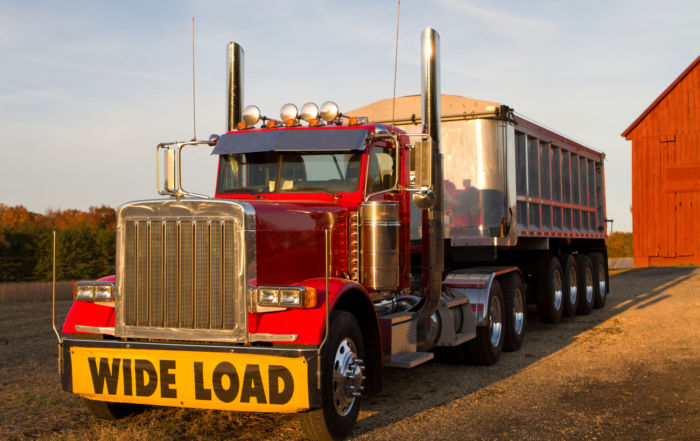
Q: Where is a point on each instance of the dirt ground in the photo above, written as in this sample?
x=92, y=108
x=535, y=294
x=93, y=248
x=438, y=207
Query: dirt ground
x=628, y=371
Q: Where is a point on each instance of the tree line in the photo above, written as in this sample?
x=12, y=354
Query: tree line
x=85, y=243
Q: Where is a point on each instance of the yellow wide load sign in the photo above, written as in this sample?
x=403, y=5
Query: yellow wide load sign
x=209, y=380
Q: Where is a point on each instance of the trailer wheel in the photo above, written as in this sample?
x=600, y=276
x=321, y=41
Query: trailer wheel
x=515, y=316
x=585, y=287
x=342, y=370
x=487, y=346
x=600, y=288
x=570, y=285
x=550, y=293
x=104, y=410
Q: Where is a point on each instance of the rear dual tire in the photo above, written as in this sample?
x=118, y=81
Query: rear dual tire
x=488, y=344
x=586, y=285
x=600, y=287
x=515, y=317
x=550, y=293
x=570, y=285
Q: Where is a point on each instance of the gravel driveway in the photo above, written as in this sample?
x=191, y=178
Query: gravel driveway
x=629, y=371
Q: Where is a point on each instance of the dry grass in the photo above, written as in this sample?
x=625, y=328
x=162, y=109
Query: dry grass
x=33, y=292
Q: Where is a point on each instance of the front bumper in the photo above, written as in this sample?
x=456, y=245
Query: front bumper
x=187, y=375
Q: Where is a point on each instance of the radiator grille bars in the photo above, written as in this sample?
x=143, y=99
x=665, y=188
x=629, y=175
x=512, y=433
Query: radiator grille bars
x=180, y=273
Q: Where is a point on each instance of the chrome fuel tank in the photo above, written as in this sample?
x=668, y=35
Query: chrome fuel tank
x=379, y=244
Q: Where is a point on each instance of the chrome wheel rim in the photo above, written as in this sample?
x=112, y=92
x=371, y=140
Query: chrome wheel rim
x=495, y=321
x=518, y=311
x=601, y=281
x=573, y=286
x=558, y=294
x=589, y=285
x=347, y=376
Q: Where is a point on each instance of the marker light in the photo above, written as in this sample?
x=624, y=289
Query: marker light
x=289, y=114
x=329, y=111
x=251, y=115
x=309, y=111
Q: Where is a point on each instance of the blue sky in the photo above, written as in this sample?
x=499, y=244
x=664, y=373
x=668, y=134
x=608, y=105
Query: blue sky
x=87, y=89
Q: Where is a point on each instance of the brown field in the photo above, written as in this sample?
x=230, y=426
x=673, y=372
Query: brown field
x=628, y=371
x=33, y=292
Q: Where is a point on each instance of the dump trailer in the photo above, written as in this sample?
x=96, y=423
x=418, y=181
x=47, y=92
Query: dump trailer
x=337, y=245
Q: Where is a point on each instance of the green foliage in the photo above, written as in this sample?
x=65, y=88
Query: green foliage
x=85, y=244
x=620, y=245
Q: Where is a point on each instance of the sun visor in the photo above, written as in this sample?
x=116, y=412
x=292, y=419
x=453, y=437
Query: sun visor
x=291, y=140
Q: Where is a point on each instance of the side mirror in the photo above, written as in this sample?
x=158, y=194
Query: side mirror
x=169, y=159
x=421, y=164
x=421, y=175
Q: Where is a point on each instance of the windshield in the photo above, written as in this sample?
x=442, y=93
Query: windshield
x=282, y=172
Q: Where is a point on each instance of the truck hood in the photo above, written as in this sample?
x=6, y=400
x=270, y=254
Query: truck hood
x=291, y=243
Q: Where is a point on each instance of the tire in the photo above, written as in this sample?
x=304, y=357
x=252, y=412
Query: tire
x=486, y=347
x=600, y=286
x=570, y=273
x=104, y=410
x=515, y=317
x=550, y=294
x=585, y=285
x=342, y=370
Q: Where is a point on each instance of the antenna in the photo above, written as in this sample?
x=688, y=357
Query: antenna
x=396, y=58
x=194, y=101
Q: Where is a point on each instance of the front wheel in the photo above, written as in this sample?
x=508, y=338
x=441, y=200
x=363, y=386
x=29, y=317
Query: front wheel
x=342, y=370
x=104, y=410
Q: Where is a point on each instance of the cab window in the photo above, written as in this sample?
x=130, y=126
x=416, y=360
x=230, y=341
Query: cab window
x=381, y=174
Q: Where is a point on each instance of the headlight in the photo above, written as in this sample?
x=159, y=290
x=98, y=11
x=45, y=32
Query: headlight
x=286, y=296
x=97, y=291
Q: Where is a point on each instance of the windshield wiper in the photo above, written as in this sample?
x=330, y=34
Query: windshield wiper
x=335, y=195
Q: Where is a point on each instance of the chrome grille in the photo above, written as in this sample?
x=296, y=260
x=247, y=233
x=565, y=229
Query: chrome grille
x=182, y=270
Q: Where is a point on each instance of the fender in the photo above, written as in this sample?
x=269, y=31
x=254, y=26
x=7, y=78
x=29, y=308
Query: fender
x=87, y=313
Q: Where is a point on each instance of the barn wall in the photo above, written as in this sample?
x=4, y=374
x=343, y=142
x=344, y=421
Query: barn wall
x=666, y=178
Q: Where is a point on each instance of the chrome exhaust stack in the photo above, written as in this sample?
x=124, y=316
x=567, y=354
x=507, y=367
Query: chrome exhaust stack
x=234, y=85
x=432, y=239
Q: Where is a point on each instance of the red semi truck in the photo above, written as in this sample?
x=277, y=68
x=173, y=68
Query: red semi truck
x=334, y=246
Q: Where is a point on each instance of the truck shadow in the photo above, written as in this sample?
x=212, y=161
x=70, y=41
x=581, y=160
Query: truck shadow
x=424, y=386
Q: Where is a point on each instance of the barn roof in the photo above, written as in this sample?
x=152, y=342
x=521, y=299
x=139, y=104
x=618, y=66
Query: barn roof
x=661, y=97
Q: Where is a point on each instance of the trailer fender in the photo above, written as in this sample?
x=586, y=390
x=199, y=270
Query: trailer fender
x=475, y=283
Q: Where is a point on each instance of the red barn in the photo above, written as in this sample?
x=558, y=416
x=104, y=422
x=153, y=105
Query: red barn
x=666, y=175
